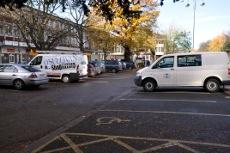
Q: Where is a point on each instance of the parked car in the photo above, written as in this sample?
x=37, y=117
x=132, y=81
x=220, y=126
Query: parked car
x=123, y=65
x=96, y=65
x=91, y=70
x=130, y=65
x=112, y=66
x=21, y=75
x=102, y=65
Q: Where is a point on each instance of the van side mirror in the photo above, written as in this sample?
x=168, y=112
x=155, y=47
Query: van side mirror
x=154, y=66
x=158, y=65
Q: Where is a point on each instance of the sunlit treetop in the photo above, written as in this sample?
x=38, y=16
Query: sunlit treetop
x=105, y=8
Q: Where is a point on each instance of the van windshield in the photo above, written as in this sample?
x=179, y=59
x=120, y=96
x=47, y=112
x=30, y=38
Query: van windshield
x=36, y=61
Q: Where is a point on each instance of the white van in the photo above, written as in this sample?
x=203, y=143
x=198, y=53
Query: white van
x=205, y=69
x=65, y=67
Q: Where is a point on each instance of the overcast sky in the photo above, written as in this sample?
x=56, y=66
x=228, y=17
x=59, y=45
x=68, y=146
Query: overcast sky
x=210, y=20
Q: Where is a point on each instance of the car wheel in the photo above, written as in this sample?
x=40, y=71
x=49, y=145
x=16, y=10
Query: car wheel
x=66, y=79
x=114, y=70
x=212, y=85
x=19, y=84
x=149, y=85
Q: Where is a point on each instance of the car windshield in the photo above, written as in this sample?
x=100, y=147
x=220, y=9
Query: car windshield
x=30, y=68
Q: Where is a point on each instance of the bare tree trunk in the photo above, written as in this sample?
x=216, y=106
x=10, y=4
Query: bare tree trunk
x=127, y=53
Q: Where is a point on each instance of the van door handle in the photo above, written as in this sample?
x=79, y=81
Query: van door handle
x=14, y=75
x=172, y=69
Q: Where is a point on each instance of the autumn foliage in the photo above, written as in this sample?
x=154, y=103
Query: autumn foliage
x=217, y=43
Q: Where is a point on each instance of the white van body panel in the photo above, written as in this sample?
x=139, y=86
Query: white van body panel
x=58, y=65
x=164, y=77
x=186, y=69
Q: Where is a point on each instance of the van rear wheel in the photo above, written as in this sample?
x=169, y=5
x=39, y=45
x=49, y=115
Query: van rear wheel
x=149, y=85
x=212, y=85
x=66, y=79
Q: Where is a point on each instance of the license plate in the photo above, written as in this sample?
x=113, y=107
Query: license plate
x=42, y=75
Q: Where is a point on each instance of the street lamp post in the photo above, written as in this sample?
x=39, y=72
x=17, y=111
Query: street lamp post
x=194, y=18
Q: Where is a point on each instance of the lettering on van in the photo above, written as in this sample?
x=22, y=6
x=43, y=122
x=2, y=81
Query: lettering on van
x=59, y=63
x=167, y=75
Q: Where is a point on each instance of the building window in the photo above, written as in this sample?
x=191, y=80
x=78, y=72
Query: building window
x=1, y=29
x=6, y=29
x=10, y=30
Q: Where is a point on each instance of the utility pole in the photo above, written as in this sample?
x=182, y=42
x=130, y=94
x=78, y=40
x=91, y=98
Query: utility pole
x=194, y=18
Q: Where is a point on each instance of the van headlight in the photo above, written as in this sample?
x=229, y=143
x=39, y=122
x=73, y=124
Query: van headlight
x=138, y=74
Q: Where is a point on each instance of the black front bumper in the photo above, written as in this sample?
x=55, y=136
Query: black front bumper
x=138, y=80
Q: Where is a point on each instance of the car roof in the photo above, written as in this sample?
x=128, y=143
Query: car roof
x=15, y=64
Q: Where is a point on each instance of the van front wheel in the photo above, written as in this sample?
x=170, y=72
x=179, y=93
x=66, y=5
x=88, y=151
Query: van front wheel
x=212, y=85
x=149, y=85
x=66, y=79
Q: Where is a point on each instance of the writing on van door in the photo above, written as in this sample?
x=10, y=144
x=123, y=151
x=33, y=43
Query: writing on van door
x=59, y=63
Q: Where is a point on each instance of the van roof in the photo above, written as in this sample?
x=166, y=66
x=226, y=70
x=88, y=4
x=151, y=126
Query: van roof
x=57, y=54
x=195, y=53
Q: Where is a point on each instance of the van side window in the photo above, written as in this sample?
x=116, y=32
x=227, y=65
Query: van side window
x=189, y=60
x=166, y=62
x=37, y=61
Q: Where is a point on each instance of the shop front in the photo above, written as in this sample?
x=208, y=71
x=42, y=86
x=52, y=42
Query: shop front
x=14, y=55
x=14, y=52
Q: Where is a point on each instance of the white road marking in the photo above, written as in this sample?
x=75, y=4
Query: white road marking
x=100, y=81
x=165, y=112
x=176, y=100
x=173, y=92
x=109, y=120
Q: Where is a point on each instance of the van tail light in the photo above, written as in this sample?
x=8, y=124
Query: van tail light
x=33, y=75
x=228, y=71
x=77, y=68
x=91, y=69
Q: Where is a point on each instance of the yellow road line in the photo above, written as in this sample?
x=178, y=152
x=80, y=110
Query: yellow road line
x=118, y=139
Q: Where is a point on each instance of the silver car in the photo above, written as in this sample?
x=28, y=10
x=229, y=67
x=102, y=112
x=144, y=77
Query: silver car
x=21, y=76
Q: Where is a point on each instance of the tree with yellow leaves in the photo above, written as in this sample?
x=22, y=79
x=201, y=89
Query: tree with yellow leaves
x=133, y=33
x=217, y=43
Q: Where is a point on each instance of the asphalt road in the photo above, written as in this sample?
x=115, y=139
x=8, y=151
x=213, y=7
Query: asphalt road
x=167, y=121
x=28, y=115
x=114, y=116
